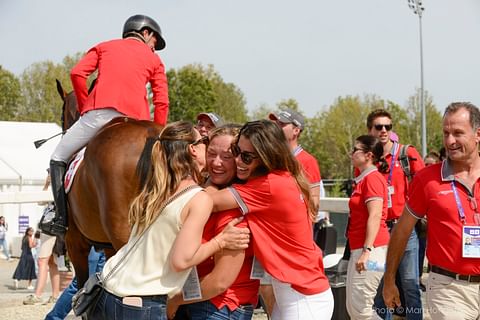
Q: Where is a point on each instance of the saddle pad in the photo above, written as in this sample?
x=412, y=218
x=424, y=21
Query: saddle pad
x=72, y=169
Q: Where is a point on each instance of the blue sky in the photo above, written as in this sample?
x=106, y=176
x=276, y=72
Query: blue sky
x=312, y=51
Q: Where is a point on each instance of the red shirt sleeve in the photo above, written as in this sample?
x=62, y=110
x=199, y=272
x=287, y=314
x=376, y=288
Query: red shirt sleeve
x=416, y=200
x=417, y=164
x=79, y=74
x=374, y=187
x=159, y=87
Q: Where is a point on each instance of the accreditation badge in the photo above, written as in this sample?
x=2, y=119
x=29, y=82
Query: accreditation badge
x=471, y=241
x=191, y=289
x=391, y=190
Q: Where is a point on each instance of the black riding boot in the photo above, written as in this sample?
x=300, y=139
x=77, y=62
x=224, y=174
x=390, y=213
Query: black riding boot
x=58, y=226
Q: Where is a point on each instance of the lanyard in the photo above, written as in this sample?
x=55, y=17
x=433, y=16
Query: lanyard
x=461, y=212
x=297, y=150
x=389, y=180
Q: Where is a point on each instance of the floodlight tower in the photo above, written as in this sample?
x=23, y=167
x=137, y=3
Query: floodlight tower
x=417, y=7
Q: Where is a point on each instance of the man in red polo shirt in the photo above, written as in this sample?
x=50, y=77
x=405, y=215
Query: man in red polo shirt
x=292, y=124
x=447, y=195
x=125, y=66
x=379, y=124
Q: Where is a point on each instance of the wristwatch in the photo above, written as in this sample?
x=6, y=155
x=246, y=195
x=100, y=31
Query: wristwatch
x=366, y=248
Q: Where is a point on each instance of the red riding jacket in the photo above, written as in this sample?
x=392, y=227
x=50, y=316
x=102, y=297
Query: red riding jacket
x=125, y=66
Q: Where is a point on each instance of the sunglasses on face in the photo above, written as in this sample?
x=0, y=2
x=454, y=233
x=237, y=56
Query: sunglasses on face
x=202, y=140
x=247, y=157
x=379, y=127
x=355, y=149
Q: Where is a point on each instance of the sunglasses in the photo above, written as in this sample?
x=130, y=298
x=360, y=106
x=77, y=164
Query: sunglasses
x=202, y=140
x=355, y=149
x=379, y=127
x=247, y=157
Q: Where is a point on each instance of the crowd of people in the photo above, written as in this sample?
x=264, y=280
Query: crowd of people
x=227, y=211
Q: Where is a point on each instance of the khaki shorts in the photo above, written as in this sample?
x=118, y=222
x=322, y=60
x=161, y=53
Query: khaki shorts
x=46, y=247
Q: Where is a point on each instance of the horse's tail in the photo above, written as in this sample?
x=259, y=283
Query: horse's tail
x=144, y=164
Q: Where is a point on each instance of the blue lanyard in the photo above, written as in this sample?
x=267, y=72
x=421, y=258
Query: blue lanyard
x=297, y=150
x=389, y=180
x=461, y=212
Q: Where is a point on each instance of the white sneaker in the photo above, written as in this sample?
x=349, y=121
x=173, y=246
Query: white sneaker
x=15, y=284
x=30, y=287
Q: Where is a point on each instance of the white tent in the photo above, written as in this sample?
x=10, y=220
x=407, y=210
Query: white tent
x=23, y=168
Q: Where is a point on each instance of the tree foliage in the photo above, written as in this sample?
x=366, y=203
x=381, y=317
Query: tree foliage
x=193, y=89
x=42, y=101
x=10, y=95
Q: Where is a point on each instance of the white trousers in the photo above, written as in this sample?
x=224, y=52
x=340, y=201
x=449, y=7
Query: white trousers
x=291, y=304
x=78, y=135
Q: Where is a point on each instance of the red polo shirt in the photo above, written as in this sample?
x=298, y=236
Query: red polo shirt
x=243, y=290
x=369, y=185
x=398, y=179
x=431, y=195
x=282, y=231
x=125, y=66
x=309, y=165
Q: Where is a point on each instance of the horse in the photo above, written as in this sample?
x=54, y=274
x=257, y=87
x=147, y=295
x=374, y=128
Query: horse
x=105, y=184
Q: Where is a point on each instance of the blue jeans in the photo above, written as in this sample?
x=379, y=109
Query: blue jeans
x=206, y=310
x=111, y=307
x=63, y=306
x=408, y=283
x=4, y=244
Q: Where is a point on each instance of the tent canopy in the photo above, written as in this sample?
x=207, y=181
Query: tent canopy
x=20, y=161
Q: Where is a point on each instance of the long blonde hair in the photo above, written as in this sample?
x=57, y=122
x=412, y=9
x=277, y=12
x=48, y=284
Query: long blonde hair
x=171, y=162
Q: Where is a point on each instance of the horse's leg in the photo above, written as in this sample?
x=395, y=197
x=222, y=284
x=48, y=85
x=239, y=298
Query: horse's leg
x=78, y=249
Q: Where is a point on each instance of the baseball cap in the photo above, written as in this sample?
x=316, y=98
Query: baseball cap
x=288, y=116
x=215, y=118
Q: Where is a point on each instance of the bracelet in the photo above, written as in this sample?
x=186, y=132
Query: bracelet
x=218, y=242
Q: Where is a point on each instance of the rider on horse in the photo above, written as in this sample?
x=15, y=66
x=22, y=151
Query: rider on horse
x=125, y=66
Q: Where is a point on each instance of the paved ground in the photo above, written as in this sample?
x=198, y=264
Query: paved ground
x=11, y=300
x=11, y=306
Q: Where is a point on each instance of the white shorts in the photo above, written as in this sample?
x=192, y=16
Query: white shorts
x=46, y=247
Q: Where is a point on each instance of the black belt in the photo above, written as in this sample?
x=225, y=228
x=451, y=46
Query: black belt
x=390, y=223
x=468, y=278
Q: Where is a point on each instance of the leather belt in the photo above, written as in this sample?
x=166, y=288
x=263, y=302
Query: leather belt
x=390, y=223
x=456, y=276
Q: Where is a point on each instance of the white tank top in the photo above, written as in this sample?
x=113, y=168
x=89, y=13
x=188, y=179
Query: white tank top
x=146, y=270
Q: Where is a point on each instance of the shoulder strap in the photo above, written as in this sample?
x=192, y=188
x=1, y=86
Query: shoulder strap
x=404, y=161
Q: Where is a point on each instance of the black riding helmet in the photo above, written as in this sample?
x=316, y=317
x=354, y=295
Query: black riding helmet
x=138, y=22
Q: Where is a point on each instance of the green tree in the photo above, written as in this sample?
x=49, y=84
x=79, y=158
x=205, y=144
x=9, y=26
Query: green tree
x=261, y=112
x=193, y=89
x=10, y=95
x=434, y=122
x=42, y=101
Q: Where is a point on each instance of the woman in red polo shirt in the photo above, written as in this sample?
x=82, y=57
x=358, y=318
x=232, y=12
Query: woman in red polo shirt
x=279, y=210
x=367, y=231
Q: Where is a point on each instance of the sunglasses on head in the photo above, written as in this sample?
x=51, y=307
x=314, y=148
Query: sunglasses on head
x=387, y=127
x=247, y=157
x=203, y=140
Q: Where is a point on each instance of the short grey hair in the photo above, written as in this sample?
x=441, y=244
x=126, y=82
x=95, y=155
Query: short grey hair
x=470, y=107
